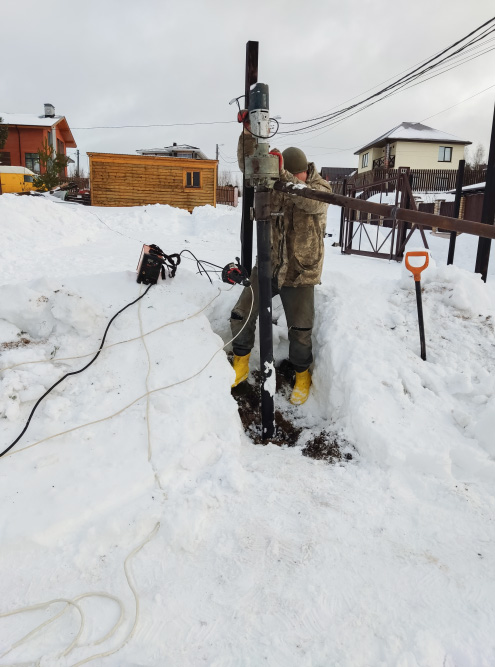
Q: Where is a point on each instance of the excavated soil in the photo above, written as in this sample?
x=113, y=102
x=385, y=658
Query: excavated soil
x=323, y=445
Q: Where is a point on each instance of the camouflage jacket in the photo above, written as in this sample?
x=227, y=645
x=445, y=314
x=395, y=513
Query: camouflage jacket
x=296, y=236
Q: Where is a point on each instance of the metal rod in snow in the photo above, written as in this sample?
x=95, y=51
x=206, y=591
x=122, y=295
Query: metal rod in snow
x=263, y=229
x=251, y=77
x=420, y=319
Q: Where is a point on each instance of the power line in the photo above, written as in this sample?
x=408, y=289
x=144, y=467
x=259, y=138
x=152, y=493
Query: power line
x=404, y=78
x=474, y=47
x=376, y=85
x=457, y=103
x=339, y=118
x=334, y=119
x=403, y=82
x=119, y=127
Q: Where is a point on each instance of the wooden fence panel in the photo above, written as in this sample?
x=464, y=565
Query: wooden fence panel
x=227, y=194
x=473, y=206
x=447, y=208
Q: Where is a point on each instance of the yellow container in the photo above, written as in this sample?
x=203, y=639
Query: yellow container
x=16, y=179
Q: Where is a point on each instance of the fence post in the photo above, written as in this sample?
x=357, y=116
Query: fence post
x=488, y=210
x=457, y=207
x=342, y=214
x=404, y=203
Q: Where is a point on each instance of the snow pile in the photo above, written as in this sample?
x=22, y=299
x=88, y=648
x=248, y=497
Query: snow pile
x=136, y=496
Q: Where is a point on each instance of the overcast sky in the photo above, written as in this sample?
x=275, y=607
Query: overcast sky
x=122, y=62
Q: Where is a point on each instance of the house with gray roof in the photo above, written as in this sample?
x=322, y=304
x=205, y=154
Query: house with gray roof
x=412, y=145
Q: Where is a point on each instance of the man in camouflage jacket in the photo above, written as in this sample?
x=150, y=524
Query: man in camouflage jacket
x=297, y=252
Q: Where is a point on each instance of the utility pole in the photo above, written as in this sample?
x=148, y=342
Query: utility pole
x=251, y=78
x=488, y=210
x=77, y=163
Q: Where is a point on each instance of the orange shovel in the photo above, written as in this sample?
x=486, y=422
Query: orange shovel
x=416, y=271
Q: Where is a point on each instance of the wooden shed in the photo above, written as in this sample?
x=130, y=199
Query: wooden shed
x=135, y=180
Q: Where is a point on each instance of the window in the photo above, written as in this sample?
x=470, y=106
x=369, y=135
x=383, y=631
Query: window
x=193, y=179
x=364, y=161
x=32, y=162
x=60, y=147
x=28, y=179
x=184, y=154
x=5, y=158
x=445, y=154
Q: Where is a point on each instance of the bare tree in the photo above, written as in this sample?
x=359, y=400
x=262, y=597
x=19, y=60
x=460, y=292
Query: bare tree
x=4, y=133
x=229, y=178
x=72, y=172
x=477, y=158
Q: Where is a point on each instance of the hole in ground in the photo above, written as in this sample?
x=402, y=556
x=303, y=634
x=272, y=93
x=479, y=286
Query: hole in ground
x=324, y=445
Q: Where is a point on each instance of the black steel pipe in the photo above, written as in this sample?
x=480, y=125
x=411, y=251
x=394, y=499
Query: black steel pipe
x=342, y=217
x=267, y=368
x=407, y=215
x=251, y=76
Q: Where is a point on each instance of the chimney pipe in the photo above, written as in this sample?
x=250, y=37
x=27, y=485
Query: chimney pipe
x=49, y=110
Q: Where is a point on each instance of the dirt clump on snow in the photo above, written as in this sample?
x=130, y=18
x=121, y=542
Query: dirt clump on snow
x=12, y=345
x=323, y=445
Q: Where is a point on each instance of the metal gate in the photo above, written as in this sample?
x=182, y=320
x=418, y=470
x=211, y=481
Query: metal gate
x=377, y=236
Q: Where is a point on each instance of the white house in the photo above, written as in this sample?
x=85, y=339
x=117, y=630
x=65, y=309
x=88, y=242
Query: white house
x=412, y=145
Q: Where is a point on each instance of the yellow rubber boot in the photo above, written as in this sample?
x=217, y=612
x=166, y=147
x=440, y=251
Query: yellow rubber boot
x=241, y=367
x=300, y=392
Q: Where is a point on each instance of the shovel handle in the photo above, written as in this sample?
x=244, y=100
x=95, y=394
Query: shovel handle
x=416, y=270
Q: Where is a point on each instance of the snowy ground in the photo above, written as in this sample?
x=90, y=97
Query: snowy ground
x=167, y=538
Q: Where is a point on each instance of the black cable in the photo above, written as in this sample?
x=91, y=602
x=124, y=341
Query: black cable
x=259, y=136
x=365, y=91
x=404, y=86
x=73, y=372
x=120, y=127
x=409, y=74
x=200, y=264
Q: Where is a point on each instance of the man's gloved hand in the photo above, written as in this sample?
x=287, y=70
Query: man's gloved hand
x=276, y=152
x=243, y=116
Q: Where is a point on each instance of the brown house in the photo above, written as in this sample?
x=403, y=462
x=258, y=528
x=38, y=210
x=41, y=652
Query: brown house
x=27, y=133
x=135, y=180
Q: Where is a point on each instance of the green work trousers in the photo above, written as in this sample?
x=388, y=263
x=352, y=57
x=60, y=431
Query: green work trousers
x=298, y=303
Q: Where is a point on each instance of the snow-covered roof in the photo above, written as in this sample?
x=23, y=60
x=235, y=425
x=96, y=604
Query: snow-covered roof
x=16, y=170
x=474, y=186
x=31, y=119
x=339, y=172
x=170, y=150
x=413, y=132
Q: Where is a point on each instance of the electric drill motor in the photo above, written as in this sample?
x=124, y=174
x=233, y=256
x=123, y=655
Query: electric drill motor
x=261, y=168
